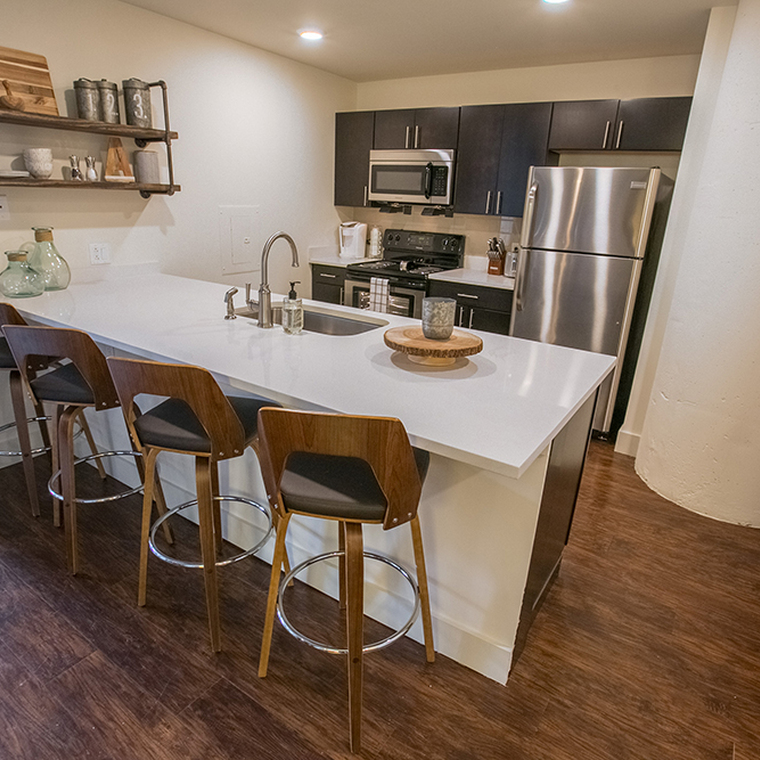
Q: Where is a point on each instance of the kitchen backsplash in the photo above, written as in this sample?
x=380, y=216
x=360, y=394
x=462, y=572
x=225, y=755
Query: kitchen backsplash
x=477, y=229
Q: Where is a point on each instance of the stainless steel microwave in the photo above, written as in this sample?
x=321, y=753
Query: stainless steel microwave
x=411, y=176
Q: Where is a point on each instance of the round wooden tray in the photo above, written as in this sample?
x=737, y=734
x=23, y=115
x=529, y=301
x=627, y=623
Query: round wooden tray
x=411, y=341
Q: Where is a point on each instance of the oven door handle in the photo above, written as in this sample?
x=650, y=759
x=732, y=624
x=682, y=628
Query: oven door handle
x=428, y=180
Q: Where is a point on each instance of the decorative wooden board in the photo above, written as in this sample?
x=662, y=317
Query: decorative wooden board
x=411, y=341
x=29, y=78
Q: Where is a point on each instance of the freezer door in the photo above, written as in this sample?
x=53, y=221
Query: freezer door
x=592, y=210
x=572, y=299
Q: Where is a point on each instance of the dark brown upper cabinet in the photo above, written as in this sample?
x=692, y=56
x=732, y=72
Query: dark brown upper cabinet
x=640, y=124
x=497, y=146
x=353, y=141
x=429, y=128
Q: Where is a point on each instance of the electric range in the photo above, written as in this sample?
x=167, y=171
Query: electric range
x=409, y=258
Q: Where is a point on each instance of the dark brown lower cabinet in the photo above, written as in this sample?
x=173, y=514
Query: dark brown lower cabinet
x=327, y=283
x=478, y=307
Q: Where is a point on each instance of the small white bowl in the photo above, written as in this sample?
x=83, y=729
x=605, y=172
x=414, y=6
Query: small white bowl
x=39, y=162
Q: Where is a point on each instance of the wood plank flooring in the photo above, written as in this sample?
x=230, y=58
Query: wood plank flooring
x=648, y=647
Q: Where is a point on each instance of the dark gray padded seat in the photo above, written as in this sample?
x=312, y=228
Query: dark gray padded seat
x=64, y=385
x=6, y=357
x=341, y=487
x=173, y=424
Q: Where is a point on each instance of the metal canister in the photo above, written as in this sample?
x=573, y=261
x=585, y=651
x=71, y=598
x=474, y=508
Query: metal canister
x=88, y=99
x=109, y=102
x=137, y=103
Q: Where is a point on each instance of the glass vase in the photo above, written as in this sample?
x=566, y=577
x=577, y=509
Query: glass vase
x=46, y=260
x=19, y=279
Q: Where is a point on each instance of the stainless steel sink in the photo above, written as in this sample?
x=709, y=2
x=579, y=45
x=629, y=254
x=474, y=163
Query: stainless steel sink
x=320, y=320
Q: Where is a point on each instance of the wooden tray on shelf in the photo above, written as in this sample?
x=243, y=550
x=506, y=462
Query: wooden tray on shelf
x=412, y=342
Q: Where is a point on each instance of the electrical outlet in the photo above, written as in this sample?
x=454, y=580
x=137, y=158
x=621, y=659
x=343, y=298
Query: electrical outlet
x=100, y=253
x=5, y=214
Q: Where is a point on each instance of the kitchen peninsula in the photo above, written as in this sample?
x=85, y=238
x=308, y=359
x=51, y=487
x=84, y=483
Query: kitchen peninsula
x=507, y=430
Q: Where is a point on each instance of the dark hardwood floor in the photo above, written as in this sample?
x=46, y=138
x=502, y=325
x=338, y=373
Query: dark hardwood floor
x=647, y=648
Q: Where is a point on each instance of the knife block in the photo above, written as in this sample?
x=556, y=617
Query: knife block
x=495, y=263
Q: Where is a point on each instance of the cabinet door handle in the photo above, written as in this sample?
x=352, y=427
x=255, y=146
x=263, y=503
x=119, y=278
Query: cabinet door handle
x=467, y=295
x=471, y=313
x=342, y=297
x=406, y=137
x=330, y=276
x=461, y=314
x=619, y=135
x=498, y=203
x=416, y=136
x=366, y=193
x=488, y=202
x=606, y=134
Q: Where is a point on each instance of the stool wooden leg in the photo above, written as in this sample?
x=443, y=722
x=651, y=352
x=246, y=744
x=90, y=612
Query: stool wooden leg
x=39, y=412
x=355, y=629
x=68, y=484
x=22, y=428
x=274, y=584
x=149, y=480
x=419, y=558
x=91, y=443
x=55, y=418
x=217, y=507
x=203, y=479
x=342, y=566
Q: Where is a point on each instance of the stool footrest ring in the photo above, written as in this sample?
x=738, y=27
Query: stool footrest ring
x=34, y=452
x=222, y=562
x=102, y=499
x=322, y=647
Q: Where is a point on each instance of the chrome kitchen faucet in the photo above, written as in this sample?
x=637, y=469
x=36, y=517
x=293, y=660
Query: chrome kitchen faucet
x=265, y=294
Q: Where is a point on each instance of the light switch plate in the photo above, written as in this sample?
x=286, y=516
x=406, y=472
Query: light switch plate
x=5, y=213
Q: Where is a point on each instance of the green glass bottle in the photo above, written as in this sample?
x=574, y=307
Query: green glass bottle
x=46, y=259
x=19, y=279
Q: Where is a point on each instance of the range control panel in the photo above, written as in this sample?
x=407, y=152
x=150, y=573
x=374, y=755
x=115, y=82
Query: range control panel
x=423, y=242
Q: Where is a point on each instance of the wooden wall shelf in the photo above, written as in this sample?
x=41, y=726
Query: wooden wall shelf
x=60, y=183
x=141, y=137
x=81, y=125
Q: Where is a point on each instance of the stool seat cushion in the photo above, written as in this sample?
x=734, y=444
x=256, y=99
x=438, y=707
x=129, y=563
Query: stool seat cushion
x=344, y=488
x=64, y=385
x=6, y=357
x=173, y=424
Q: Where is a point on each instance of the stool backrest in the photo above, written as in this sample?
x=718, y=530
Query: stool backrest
x=380, y=441
x=9, y=315
x=193, y=385
x=31, y=346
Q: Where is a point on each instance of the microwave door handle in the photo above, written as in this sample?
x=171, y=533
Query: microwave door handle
x=428, y=181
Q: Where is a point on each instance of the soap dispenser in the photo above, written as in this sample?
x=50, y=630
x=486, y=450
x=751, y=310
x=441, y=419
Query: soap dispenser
x=292, y=311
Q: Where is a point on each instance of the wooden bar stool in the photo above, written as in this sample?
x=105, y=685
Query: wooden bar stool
x=353, y=470
x=196, y=419
x=9, y=316
x=83, y=382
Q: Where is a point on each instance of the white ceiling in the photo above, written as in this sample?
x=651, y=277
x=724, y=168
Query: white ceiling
x=368, y=40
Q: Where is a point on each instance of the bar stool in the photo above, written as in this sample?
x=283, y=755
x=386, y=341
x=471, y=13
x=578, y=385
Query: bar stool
x=82, y=383
x=196, y=419
x=353, y=470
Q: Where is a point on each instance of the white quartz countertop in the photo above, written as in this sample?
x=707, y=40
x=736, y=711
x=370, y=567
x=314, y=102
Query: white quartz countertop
x=475, y=277
x=497, y=410
x=335, y=261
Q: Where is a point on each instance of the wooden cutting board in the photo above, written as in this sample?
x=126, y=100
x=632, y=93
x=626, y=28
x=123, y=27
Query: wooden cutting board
x=29, y=78
x=412, y=342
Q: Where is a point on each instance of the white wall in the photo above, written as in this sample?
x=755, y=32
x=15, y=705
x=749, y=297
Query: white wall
x=254, y=129
x=700, y=444
x=636, y=78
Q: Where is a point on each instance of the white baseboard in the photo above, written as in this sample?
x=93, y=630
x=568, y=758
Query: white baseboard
x=627, y=443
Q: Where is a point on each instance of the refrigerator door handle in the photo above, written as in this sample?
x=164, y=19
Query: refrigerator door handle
x=522, y=265
x=530, y=206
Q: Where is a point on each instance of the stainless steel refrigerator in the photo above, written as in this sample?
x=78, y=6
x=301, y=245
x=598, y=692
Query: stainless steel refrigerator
x=589, y=249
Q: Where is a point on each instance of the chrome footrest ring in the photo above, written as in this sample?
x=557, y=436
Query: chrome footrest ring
x=101, y=500
x=322, y=647
x=34, y=452
x=222, y=562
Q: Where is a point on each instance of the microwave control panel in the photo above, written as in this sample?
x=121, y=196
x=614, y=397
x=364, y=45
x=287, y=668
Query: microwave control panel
x=439, y=183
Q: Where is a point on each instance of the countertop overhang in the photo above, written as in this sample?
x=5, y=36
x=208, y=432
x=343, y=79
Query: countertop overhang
x=497, y=410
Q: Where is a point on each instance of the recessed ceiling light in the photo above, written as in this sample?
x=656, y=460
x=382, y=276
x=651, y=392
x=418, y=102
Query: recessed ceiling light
x=555, y=2
x=313, y=34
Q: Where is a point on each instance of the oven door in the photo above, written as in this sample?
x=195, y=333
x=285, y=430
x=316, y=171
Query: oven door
x=404, y=302
x=411, y=176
